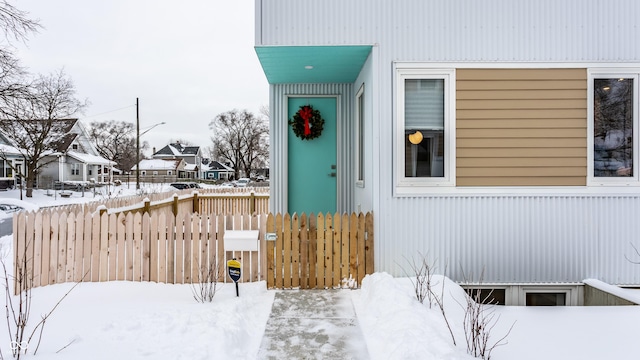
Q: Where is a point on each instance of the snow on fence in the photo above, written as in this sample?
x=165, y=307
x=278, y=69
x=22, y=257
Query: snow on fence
x=161, y=247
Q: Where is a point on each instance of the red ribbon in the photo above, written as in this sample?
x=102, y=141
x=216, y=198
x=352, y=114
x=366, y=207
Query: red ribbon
x=305, y=114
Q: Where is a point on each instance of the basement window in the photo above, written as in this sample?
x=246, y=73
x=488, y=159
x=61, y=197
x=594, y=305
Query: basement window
x=546, y=299
x=488, y=296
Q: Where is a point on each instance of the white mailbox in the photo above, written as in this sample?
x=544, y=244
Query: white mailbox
x=241, y=240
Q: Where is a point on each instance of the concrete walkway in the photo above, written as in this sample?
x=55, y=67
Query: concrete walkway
x=313, y=324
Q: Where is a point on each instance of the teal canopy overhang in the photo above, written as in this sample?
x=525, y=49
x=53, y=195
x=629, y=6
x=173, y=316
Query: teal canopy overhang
x=312, y=64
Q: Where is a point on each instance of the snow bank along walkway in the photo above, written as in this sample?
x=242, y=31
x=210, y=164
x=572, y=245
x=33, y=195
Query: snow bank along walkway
x=313, y=324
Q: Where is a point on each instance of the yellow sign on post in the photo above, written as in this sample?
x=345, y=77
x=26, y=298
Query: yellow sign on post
x=235, y=271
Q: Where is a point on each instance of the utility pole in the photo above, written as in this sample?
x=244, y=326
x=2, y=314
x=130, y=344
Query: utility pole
x=137, y=146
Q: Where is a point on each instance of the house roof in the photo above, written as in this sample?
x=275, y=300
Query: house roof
x=90, y=159
x=217, y=166
x=158, y=164
x=177, y=149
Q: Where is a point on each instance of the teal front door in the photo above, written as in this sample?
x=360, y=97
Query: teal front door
x=312, y=163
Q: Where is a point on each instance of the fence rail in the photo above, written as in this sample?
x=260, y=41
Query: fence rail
x=315, y=252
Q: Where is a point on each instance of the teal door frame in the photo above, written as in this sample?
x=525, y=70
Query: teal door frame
x=324, y=169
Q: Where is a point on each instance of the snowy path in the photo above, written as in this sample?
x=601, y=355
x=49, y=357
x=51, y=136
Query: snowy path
x=313, y=324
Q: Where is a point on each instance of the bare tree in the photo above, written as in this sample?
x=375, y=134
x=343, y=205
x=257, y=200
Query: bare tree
x=38, y=122
x=241, y=138
x=116, y=141
x=15, y=25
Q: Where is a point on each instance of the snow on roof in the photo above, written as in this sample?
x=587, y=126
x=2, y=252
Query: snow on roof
x=157, y=164
x=191, y=167
x=9, y=150
x=90, y=159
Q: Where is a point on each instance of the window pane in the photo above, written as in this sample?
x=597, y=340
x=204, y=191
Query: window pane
x=424, y=128
x=546, y=299
x=613, y=128
x=488, y=296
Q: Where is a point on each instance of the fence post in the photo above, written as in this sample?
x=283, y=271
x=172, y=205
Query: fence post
x=196, y=203
x=174, y=207
x=147, y=206
x=252, y=203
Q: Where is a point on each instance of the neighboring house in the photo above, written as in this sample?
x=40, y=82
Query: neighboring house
x=11, y=159
x=215, y=170
x=74, y=158
x=192, y=155
x=496, y=138
x=156, y=170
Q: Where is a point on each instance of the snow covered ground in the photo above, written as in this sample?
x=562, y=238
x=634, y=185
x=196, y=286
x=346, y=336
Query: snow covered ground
x=125, y=320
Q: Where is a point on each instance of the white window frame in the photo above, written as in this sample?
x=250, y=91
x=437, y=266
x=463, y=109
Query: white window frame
x=75, y=169
x=359, y=161
x=424, y=185
x=603, y=74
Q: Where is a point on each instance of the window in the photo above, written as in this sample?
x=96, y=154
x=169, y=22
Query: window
x=425, y=149
x=74, y=146
x=90, y=171
x=488, y=295
x=613, y=127
x=155, y=172
x=546, y=299
x=75, y=169
x=169, y=172
x=143, y=172
x=360, y=136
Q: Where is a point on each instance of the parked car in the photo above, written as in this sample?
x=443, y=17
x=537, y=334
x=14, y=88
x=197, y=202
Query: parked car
x=243, y=182
x=180, y=185
x=260, y=178
x=10, y=206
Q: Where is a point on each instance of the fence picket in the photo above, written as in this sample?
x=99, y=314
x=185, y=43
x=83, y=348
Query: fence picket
x=112, y=252
x=304, y=252
x=320, y=252
x=79, y=248
x=162, y=248
x=171, y=250
x=286, y=260
x=120, y=246
x=369, y=241
x=179, y=250
x=188, y=243
x=154, y=235
x=129, y=230
x=145, y=246
x=337, y=250
x=45, y=234
x=62, y=249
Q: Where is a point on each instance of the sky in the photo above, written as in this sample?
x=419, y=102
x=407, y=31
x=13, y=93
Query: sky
x=185, y=61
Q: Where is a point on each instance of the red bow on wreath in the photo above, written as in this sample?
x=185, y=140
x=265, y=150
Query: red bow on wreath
x=305, y=114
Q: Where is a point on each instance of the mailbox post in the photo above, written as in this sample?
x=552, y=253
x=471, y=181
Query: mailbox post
x=235, y=271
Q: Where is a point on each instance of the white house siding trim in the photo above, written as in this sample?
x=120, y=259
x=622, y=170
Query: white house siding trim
x=278, y=133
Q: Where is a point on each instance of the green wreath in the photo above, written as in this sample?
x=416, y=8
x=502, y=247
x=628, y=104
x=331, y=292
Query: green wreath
x=307, y=123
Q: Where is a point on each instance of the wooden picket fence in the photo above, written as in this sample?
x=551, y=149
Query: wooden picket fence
x=316, y=253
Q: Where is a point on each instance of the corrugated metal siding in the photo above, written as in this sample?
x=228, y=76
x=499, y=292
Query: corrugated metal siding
x=461, y=30
x=521, y=127
x=278, y=135
x=515, y=239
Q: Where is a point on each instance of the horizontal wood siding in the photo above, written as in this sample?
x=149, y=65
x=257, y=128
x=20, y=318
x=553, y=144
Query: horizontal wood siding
x=521, y=127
